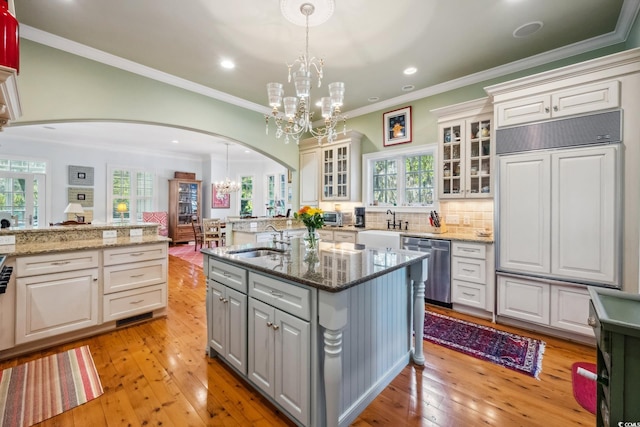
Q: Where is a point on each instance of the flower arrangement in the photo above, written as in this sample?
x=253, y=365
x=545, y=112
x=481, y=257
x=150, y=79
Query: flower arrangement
x=313, y=219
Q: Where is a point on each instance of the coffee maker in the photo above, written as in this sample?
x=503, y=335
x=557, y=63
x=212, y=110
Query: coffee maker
x=359, y=217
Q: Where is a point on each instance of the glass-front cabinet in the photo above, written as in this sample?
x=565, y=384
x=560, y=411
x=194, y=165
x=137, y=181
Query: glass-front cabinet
x=335, y=172
x=465, y=150
x=184, y=205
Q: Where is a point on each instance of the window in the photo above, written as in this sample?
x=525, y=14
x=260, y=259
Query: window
x=246, y=196
x=22, y=190
x=134, y=188
x=276, y=193
x=404, y=177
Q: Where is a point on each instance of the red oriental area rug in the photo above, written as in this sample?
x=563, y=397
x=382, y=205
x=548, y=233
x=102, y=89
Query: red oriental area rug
x=512, y=351
x=48, y=386
x=187, y=253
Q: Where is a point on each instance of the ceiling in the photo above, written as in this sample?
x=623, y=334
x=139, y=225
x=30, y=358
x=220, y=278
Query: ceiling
x=366, y=44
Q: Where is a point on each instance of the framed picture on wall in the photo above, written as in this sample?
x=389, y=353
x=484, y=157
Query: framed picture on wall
x=397, y=126
x=223, y=202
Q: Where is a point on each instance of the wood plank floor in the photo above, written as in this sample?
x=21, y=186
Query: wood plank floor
x=157, y=373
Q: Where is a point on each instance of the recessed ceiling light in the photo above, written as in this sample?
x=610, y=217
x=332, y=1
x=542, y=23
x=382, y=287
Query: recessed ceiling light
x=408, y=88
x=525, y=30
x=247, y=151
x=373, y=98
x=228, y=64
x=410, y=70
x=175, y=141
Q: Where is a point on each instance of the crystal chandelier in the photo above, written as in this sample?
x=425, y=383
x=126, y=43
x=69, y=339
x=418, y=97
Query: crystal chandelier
x=297, y=117
x=227, y=186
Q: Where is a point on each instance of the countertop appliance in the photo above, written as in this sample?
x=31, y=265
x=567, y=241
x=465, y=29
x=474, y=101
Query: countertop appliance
x=359, y=217
x=438, y=285
x=332, y=218
x=558, y=210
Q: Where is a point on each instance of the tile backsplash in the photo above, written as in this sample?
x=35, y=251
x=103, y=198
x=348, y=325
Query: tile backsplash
x=479, y=214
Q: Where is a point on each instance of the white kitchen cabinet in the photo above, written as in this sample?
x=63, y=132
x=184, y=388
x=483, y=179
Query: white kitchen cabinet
x=472, y=275
x=336, y=174
x=310, y=175
x=563, y=307
x=328, y=235
x=227, y=313
x=135, y=280
x=551, y=222
x=465, y=147
x=576, y=100
x=279, y=341
x=50, y=304
x=9, y=96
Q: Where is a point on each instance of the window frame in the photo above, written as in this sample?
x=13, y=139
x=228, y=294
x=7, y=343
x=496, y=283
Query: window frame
x=133, y=197
x=399, y=155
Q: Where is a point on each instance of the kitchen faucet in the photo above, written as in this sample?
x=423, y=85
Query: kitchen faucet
x=281, y=241
x=393, y=224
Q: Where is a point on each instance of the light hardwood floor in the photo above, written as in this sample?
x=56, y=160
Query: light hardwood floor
x=157, y=373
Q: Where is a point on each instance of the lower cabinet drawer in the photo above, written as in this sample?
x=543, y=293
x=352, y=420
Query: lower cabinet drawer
x=469, y=269
x=135, y=275
x=468, y=293
x=344, y=236
x=289, y=298
x=129, y=303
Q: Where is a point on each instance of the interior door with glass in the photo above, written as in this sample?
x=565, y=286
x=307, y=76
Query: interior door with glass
x=23, y=198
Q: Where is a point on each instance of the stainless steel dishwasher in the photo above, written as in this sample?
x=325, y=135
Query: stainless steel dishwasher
x=438, y=284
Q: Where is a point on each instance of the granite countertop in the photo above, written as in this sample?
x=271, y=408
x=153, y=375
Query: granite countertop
x=38, y=248
x=466, y=237
x=337, y=266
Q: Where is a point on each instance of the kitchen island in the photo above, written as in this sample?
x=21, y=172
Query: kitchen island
x=318, y=334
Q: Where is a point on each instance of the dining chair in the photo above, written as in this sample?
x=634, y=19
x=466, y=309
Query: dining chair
x=197, y=233
x=211, y=228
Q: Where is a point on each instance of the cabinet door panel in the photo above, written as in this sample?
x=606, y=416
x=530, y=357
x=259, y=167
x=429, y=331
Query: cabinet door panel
x=570, y=309
x=523, y=299
x=134, y=275
x=586, y=98
x=469, y=269
x=293, y=361
x=261, y=367
x=55, y=304
x=236, y=353
x=218, y=325
x=583, y=234
x=525, y=213
x=309, y=173
x=523, y=110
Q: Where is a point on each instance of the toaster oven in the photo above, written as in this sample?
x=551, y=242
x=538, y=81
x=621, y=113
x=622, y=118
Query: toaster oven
x=333, y=218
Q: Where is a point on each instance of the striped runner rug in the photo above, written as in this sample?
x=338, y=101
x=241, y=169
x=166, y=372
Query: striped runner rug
x=48, y=386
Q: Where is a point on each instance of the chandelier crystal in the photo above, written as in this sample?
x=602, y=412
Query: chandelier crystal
x=297, y=117
x=227, y=186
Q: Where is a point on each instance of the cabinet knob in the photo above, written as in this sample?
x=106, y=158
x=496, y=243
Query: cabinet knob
x=591, y=321
x=270, y=324
x=546, y=109
x=275, y=327
x=555, y=108
x=221, y=298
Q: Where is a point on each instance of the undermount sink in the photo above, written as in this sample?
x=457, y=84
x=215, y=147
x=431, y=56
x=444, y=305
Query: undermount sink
x=255, y=253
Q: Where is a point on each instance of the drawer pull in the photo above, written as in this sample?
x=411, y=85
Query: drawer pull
x=137, y=254
x=226, y=274
x=276, y=294
x=137, y=275
x=468, y=294
x=60, y=262
x=591, y=321
x=137, y=302
x=468, y=270
x=469, y=250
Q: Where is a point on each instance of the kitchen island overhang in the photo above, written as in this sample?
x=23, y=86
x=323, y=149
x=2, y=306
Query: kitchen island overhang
x=365, y=316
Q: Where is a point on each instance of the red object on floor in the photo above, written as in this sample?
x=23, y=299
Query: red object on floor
x=584, y=389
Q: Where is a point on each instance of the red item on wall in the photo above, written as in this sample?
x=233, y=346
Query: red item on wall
x=10, y=40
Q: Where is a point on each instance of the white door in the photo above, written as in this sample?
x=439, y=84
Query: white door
x=236, y=349
x=293, y=365
x=570, y=309
x=24, y=195
x=525, y=213
x=583, y=231
x=523, y=299
x=261, y=346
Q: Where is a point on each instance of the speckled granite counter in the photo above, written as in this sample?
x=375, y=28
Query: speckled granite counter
x=449, y=236
x=317, y=271
x=70, y=238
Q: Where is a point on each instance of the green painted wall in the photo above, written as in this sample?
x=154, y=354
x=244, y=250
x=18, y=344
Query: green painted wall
x=58, y=86
x=634, y=35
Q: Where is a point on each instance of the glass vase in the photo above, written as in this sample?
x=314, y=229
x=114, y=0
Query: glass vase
x=311, y=240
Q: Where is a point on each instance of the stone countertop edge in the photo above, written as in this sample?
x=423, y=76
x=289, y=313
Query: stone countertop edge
x=74, y=245
x=221, y=254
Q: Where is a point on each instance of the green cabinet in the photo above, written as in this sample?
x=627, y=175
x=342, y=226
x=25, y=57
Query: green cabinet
x=615, y=318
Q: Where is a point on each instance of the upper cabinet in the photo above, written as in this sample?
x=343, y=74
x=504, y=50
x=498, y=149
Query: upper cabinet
x=465, y=150
x=331, y=171
x=577, y=100
x=10, y=108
